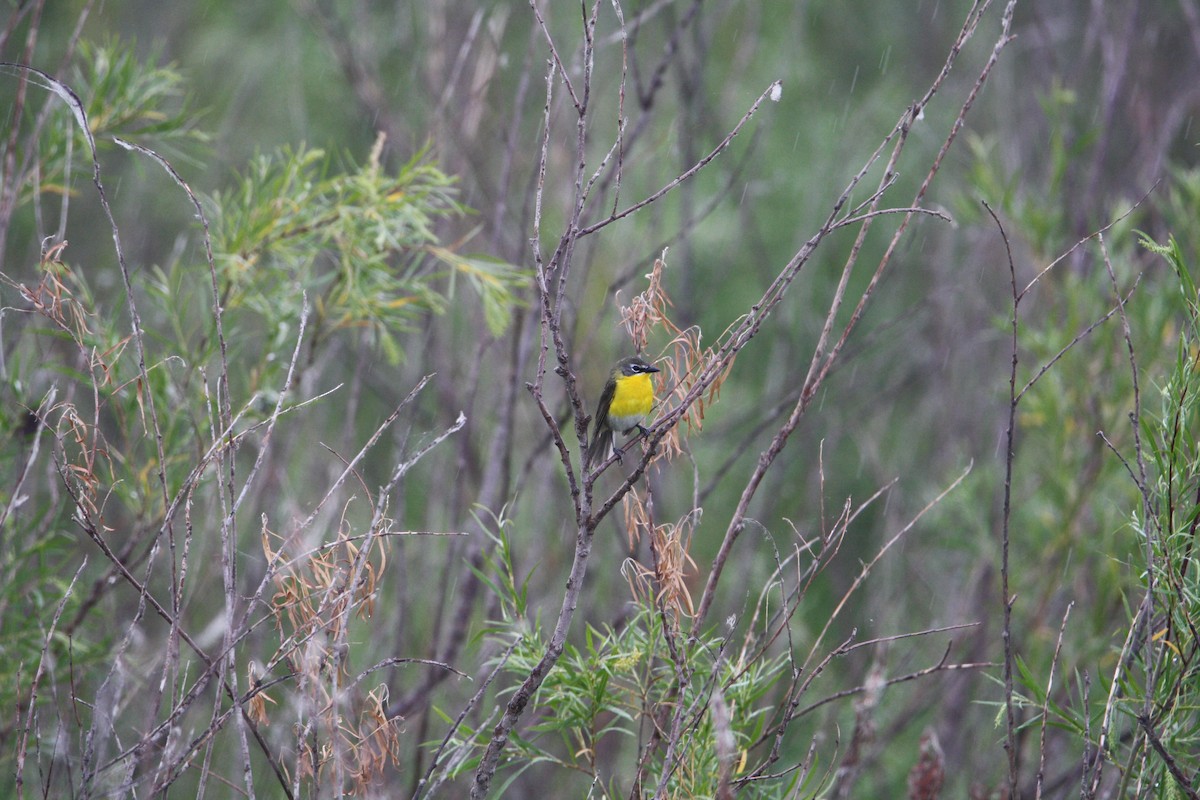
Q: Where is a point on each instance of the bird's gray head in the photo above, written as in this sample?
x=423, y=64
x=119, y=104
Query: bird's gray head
x=635, y=365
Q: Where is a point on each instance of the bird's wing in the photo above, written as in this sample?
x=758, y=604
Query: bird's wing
x=602, y=436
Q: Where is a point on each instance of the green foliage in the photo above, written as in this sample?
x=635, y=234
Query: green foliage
x=133, y=97
x=499, y=573
x=363, y=241
x=609, y=691
x=122, y=95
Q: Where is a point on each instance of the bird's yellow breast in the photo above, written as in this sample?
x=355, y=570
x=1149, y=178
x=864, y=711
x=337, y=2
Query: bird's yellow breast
x=632, y=401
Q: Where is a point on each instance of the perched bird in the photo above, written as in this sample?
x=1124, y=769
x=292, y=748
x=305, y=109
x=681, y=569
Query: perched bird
x=626, y=400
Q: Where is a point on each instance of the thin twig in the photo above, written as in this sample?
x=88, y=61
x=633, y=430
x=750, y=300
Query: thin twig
x=1010, y=738
x=1046, y=702
x=430, y=782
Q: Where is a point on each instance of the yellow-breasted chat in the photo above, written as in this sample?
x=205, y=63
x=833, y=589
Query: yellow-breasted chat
x=626, y=400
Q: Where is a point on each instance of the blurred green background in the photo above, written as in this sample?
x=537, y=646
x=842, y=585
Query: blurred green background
x=1087, y=113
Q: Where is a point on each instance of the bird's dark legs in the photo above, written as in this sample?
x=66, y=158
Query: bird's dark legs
x=643, y=432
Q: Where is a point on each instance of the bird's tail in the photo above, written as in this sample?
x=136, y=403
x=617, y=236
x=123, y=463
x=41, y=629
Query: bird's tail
x=600, y=447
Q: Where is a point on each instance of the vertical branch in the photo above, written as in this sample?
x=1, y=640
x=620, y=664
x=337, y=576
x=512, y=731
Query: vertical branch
x=551, y=282
x=1010, y=720
x=1041, y=773
x=548, y=328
